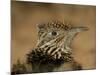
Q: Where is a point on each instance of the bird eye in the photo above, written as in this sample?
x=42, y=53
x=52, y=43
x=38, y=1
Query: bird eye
x=54, y=33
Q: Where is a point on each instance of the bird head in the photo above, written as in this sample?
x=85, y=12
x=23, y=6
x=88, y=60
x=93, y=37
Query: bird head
x=57, y=34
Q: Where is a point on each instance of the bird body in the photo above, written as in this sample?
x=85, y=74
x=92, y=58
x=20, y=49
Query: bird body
x=53, y=51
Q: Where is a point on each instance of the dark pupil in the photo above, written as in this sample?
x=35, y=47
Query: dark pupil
x=54, y=33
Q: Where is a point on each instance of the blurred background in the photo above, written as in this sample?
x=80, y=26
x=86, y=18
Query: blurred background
x=26, y=15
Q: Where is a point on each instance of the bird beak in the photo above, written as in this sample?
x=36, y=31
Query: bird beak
x=79, y=29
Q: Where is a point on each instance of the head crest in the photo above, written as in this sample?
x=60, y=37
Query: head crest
x=55, y=25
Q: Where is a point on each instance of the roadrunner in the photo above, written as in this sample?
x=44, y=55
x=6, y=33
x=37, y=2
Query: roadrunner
x=53, y=51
